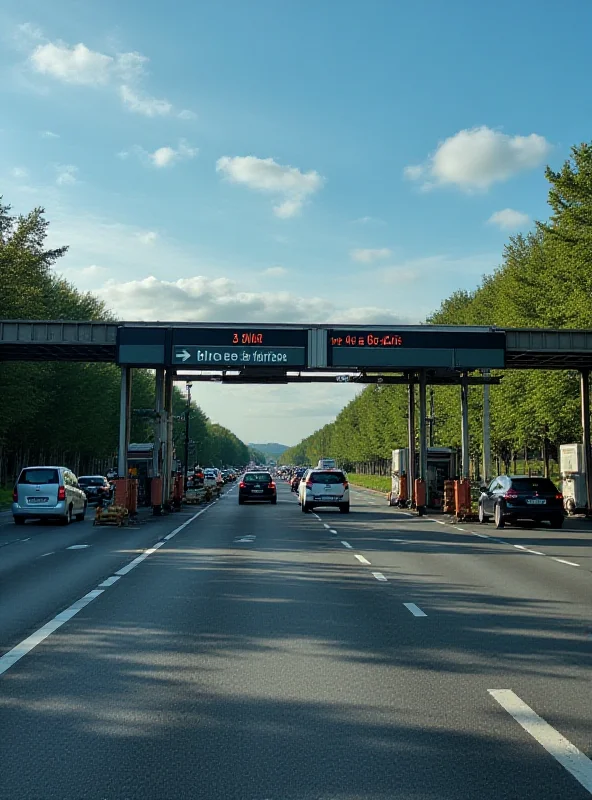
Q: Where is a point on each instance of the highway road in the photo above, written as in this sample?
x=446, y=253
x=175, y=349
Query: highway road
x=258, y=653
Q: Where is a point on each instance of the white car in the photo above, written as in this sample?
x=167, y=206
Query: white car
x=324, y=487
x=213, y=478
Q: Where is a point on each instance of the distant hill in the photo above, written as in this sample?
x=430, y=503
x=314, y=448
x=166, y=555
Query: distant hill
x=270, y=449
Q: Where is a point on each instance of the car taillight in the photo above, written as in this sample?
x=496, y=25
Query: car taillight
x=272, y=485
x=15, y=495
x=511, y=494
x=309, y=484
x=242, y=485
x=62, y=493
x=559, y=496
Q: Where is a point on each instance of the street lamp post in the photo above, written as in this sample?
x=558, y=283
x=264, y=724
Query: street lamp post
x=187, y=415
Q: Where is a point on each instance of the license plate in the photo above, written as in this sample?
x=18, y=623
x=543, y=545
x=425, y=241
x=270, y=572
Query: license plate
x=257, y=491
x=536, y=502
x=38, y=499
x=327, y=497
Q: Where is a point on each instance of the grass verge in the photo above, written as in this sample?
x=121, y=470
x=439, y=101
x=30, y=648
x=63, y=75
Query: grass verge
x=377, y=482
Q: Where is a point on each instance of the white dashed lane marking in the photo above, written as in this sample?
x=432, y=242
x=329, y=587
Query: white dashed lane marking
x=362, y=560
x=347, y=544
x=415, y=610
x=563, y=561
x=379, y=576
x=567, y=754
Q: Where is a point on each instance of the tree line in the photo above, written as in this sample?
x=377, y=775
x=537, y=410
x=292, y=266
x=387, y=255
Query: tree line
x=544, y=280
x=67, y=413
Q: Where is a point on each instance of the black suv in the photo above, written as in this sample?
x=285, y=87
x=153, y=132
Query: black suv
x=510, y=498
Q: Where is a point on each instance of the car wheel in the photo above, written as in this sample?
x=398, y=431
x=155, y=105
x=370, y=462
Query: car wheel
x=274, y=501
x=344, y=508
x=68, y=518
x=499, y=517
x=19, y=520
x=304, y=508
x=483, y=518
x=241, y=501
x=557, y=521
x=80, y=517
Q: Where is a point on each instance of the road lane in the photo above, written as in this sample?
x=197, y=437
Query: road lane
x=254, y=657
x=40, y=573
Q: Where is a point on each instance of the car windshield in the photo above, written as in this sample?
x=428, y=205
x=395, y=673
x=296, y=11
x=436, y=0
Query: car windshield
x=328, y=477
x=257, y=477
x=533, y=485
x=86, y=481
x=39, y=475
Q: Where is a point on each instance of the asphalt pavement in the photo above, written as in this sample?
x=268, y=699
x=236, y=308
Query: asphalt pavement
x=259, y=653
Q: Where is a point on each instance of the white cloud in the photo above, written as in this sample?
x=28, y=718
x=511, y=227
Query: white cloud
x=19, y=172
x=144, y=103
x=66, y=174
x=84, y=277
x=367, y=315
x=508, y=219
x=79, y=65
x=201, y=298
x=187, y=114
x=477, y=158
x=76, y=64
x=147, y=237
x=368, y=255
x=28, y=32
x=266, y=175
x=49, y=135
x=275, y=272
x=368, y=221
x=167, y=156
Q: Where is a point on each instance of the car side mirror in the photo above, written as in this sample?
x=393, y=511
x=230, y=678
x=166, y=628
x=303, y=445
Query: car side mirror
x=484, y=488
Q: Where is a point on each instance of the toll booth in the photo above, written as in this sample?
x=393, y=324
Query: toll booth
x=140, y=462
x=442, y=466
x=573, y=476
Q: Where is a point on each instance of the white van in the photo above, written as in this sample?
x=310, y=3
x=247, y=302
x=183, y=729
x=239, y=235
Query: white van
x=326, y=463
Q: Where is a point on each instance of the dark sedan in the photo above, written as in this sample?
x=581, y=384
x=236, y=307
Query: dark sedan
x=95, y=487
x=257, y=486
x=512, y=498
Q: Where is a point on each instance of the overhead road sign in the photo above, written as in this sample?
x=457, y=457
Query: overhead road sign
x=234, y=347
x=405, y=349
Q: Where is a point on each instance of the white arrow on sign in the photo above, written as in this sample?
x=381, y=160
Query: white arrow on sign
x=183, y=354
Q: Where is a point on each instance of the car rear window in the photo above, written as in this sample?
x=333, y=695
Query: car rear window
x=533, y=485
x=328, y=477
x=39, y=475
x=91, y=481
x=257, y=477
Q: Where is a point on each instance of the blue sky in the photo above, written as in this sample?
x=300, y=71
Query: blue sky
x=303, y=160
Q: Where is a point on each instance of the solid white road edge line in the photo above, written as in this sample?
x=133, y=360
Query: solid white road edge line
x=347, y=544
x=24, y=647
x=379, y=576
x=362, y=560
x=415, y=610
x=554, y=743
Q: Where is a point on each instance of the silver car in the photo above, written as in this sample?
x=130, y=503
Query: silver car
x=48, y=493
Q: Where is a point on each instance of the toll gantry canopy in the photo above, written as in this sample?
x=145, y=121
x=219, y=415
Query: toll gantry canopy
x=292, y=351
